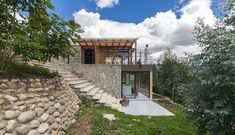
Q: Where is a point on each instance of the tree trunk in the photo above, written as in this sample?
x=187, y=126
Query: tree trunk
x=5, y=58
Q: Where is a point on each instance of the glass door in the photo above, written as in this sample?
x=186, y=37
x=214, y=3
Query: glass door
x=128, y=84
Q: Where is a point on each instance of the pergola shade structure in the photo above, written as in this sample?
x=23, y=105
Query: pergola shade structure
x=95, y=51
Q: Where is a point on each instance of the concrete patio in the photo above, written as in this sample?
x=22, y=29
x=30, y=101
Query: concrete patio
x=143, y=106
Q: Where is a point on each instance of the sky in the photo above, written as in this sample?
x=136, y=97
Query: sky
x=160, y=23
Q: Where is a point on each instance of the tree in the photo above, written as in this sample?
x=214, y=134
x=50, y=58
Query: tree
x=31, y=30
x=171, y=74
x=211, y=102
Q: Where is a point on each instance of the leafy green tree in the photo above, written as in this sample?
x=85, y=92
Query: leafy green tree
x=171, y=74
x=211, y=102
x=30, y=29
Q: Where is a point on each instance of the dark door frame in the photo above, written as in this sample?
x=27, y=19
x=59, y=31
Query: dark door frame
x=92, y=51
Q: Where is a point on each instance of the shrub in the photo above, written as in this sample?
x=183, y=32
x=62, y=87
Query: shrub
x=211, y=102
x=171, y=74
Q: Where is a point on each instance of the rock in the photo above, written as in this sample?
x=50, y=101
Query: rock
x=46, y=106
x=56, y=114
x=22, y=85
x=2, y=124
x=50, y=119
x=32, y=106
x=51, y=110
x=54, y=125
x=51, y=98
x=2, y=101
x=22, y=108
x=110, y=117
x=62, y=101
x=61, y=109
x=7, y=107
x=12, y=85
x=73, y=121
x=39, y=111
x=22, y=96
x=20, y=103
x=22, y=130
x=57, y=105
x=26, y=116
x=53, y=132
x=11, y=125
x=42, y=128
x=44, y=117
x=57, y=120
x=11, y=98
x=11, y=115
x=34, y=123
x=2, y=132
x=49, y=130
x=3, y=86
x=33, y=132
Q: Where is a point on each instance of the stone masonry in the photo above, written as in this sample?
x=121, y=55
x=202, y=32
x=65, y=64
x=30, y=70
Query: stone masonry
x=106, y=77
x=36, y=106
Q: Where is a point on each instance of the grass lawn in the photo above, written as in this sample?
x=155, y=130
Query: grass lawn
x=23, y=70
x=95, y=124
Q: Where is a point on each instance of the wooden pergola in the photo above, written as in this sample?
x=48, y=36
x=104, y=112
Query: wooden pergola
x=100, y=45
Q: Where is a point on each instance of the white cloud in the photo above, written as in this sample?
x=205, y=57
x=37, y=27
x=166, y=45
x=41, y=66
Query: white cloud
x=106, y=3
x=162, y=31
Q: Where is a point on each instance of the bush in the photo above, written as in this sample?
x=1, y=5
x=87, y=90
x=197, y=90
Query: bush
x=211, y=102
x=171, y=74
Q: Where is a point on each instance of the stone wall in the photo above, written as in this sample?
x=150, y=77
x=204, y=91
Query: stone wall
x=36, y=106
x=106, y=77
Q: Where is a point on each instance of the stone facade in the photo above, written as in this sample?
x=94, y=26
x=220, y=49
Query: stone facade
x=36, y=106
x=106, y=77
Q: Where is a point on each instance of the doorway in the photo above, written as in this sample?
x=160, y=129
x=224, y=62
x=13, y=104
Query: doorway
x=89, y=56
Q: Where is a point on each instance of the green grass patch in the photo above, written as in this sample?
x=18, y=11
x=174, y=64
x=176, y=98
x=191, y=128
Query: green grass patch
x=137, y=125
x=20, y=69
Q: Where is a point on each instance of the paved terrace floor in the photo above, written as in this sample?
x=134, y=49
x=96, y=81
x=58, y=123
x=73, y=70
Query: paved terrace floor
x=142, y=105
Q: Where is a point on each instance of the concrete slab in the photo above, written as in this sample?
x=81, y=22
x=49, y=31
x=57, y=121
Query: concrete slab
x=143, y=106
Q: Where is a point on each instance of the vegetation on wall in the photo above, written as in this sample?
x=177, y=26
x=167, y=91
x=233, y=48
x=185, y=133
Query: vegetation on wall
x=31, y=30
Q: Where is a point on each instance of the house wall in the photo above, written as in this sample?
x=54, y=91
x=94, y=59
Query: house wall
x=106, y=77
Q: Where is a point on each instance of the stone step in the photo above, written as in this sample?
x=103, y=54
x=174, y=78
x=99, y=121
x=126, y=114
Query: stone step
x=98, y=95
x=79, y=86
x=117, y=107
x=103, y=98
x=77, y=82
x=70, y=76
x=93, y=91
x=72, y=79
x=86, y=88
x=109, y=100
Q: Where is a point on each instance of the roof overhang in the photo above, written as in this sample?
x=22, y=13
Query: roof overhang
x=107, y=42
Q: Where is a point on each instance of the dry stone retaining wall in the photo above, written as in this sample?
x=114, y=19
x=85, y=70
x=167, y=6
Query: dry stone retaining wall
x=36, y=106
x=106, y=77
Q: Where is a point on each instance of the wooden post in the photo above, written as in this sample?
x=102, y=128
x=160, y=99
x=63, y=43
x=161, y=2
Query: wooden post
x=135, y=52
x=151, y=84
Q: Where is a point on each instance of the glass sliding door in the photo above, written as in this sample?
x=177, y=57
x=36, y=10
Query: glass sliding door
x=128, y=84
x=145, y=83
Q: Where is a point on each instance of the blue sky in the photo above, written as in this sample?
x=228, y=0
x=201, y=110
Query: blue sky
x=160, y=23
x=134, y=11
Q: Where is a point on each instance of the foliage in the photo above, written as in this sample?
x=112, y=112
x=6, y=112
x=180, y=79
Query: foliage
x=135, y=125
x=19, y=69
x=171, y=75
x=211, y=102
x=31, y=30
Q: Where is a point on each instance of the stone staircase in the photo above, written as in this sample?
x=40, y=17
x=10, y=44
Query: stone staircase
x=84, y=89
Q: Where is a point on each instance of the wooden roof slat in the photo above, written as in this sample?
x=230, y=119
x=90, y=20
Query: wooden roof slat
x=108, y=42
